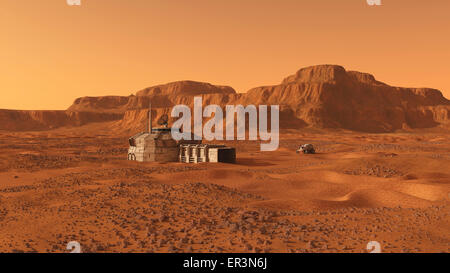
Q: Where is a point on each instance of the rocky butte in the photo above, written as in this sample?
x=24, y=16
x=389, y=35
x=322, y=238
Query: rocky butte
x=322, y=96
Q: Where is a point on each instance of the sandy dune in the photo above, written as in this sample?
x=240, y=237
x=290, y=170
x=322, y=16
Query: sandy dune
x=64, y=185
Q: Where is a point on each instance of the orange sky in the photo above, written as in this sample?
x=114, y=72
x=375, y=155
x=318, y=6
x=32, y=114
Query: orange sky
x=51, y=53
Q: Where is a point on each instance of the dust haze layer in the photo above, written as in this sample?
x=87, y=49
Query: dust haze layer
x=323, y=96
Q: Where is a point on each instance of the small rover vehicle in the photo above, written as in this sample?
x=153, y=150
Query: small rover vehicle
x=306, y=149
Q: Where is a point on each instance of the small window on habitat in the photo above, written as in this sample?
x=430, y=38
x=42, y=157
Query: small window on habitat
x=132, y=142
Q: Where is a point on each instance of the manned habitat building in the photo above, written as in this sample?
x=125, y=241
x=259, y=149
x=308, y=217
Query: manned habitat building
x=157, y=145
x=196, y=153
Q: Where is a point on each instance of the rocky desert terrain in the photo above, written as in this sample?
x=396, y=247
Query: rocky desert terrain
x=380, y=173
x=62, y=186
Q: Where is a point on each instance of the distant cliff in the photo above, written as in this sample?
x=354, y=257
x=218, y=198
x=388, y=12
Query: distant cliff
x=323, y=96
x=328, y=96
x=22, y=120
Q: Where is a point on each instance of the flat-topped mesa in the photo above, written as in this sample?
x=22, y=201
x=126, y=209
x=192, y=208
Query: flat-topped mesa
x=325, y=96
x=98, y=104
x=40, y=120
x=363, y=77
x=318, y=73
x=187, y=88
x=431, y=96
x=323, y=82
x=161, y=96
x=328, y=96
x=330, y=74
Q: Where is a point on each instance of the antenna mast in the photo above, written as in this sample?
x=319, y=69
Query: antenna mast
x=150, y=118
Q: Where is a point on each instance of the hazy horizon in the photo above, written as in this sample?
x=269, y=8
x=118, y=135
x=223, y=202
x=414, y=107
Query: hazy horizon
x=53, y=53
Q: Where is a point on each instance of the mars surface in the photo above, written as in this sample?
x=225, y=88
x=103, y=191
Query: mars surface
x=64, y=186
x=379, y=173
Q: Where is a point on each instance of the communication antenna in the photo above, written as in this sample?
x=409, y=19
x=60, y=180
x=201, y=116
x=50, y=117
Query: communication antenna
x=163, y=120
x=150, y=118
